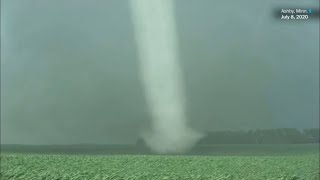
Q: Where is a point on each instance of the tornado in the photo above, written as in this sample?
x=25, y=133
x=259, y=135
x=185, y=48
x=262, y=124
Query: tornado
x=161, y=75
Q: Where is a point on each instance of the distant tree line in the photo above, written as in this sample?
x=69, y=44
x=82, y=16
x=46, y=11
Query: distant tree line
x=262, y=136
x=259, y=136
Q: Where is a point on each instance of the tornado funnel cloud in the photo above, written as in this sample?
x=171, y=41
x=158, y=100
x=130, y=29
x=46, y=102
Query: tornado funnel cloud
x=156, y=37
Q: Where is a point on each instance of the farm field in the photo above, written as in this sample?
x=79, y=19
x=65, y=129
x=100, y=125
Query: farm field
x=291, y=166
x=17, y=166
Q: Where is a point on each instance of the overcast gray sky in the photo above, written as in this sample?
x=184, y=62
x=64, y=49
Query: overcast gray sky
x=70, y=74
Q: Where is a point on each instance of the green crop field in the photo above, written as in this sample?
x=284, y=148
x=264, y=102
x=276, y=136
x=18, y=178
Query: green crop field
x=69, y=167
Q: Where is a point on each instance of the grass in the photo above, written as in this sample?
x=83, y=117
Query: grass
x=236, y=167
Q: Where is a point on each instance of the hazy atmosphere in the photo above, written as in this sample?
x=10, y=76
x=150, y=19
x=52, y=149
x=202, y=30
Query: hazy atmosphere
x=71, y=70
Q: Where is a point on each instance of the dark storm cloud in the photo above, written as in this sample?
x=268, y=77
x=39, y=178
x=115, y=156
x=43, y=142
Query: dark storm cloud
x=69, y=73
